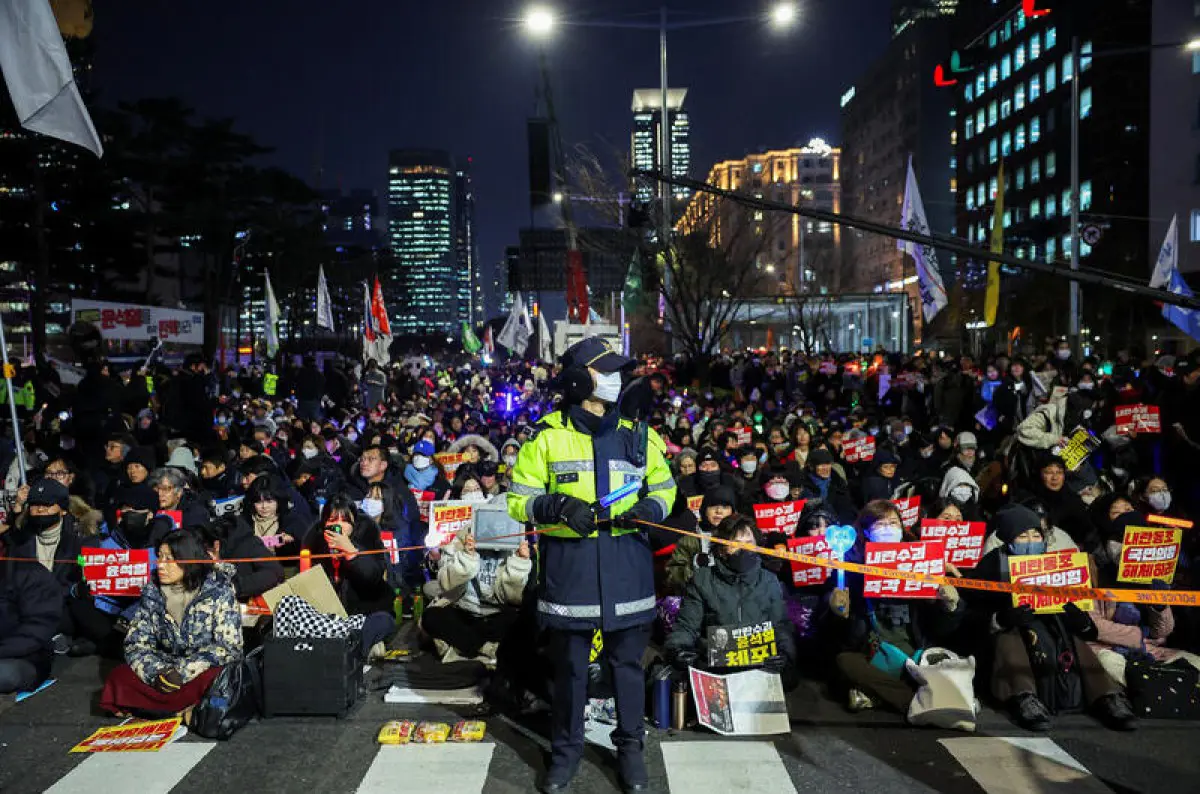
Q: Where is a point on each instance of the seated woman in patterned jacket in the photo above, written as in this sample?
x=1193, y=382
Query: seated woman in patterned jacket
x=186, y=627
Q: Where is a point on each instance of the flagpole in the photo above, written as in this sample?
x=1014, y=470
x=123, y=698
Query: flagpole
x=12, y=405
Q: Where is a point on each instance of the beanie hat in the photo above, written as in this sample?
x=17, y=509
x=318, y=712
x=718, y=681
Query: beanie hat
x=142, y=455
x=721, y=495
x=1012, y=520
x=820, y=457
x=136, y=497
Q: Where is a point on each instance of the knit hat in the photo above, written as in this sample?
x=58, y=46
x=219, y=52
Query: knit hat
x=47, y=493
x=136, y=497
x=707, y=454
x=142, y=455
x=820, y=457
x=885, y=457
x=182, y=458
x=1012, y=520
x=721, y=495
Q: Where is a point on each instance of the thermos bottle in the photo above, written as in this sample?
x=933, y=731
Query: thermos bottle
x=662, y=703
x=679, y=705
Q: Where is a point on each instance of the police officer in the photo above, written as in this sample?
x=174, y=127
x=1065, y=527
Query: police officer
x=596, y=568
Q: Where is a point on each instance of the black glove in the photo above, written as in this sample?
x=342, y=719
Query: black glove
x=774, y=664
x=168, y=681
x=558, y=508
x=1015, y=617
x=682, y=660
x=645, y=510
x=1079, y=622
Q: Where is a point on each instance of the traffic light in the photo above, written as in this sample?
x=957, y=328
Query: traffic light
x=1031, y=11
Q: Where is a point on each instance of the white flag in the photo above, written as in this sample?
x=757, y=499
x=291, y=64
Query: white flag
x=929, y=278
x=38, y=73
x=1166, y=276
x=272, y=318
x=545, y=341
x=324, y=307
x=1168, y=257
x=517, y=330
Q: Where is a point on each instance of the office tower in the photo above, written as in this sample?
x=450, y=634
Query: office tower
x=423, y=288
x=469, y=270
x=647, y=138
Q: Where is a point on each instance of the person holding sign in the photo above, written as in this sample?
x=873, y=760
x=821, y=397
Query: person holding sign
x=734, y=592
x=1043, y=662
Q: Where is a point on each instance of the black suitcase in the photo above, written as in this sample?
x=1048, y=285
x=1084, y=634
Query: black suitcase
x=312, y=676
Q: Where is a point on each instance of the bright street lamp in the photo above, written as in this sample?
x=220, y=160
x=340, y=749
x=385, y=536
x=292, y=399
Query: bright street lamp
x=1194, y=44
x=540, y=21
x=783, y=15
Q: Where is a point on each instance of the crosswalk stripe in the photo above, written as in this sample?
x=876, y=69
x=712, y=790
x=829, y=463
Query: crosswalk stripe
x=744, y=767
x=146, y=773
x=444, y=768
x=1021, y=765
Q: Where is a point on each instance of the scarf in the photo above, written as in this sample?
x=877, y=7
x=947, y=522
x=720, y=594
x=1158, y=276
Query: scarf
x=264, y=527
x=420, y=479
x=822, y=484
x=177, y=600
x=47, y=544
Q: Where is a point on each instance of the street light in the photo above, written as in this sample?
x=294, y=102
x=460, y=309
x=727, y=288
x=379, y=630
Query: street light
x=1194, y=44
x=539, y=21
x=783, y=15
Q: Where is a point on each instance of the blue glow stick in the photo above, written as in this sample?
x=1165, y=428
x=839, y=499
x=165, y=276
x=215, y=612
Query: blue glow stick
x=619, y=494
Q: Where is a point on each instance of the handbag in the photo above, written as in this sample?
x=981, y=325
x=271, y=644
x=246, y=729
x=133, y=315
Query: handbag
x=234, y=699
x=945, y=695
x=1161, y=690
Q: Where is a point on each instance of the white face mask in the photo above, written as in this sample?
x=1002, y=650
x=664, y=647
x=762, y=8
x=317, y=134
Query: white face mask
x=778, y=491
x=1063, y=353
x=961, y=493
x=886, y=534
x=372, y=507
x=608, y=386
x=420, y=462
x=1160, y=500
x=510, y=460
x=473, y=496
x=309, y=453
x=1086, y=386
x=750, y=466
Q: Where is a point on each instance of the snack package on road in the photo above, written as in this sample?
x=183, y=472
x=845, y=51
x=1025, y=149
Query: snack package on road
x=431, y=733
x=397, y=732
x=469, y=731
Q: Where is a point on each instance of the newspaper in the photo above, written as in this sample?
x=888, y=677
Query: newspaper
x=750, y=703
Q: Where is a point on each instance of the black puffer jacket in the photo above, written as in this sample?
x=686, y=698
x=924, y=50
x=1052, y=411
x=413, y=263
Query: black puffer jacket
x=717, y=596
x=30, y=608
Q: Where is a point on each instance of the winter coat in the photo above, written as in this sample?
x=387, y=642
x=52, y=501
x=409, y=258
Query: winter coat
x=486, y=448
x=484, y=582
x=1154, y=625
x=1043, y=428
x=837, y=494
x=718, y=596
x=257, y=577
x=30, y=609
x=359, y=582
x=210, y=634
x=23, y=543
x=956, y=476
x=373, y=385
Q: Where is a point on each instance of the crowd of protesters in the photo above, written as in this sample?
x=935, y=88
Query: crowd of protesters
x=332, y=460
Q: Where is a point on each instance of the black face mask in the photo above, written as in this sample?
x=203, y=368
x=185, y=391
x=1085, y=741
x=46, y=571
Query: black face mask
x=708, y=479
x=214, y=484
x=41, y=523
x=742, y=561
x=134, y=526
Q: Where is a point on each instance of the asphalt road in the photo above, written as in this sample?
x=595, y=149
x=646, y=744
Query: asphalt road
x=828, y=749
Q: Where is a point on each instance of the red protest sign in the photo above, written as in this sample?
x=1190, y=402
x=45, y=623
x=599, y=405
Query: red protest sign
x=964, y=540
x=694, y=503
x=1138, y=418
x=116, y=572
x=921, y=557
x=424, y=500
x=778, y=516
x=804, y=574
x=130, y=737
x=744, y=436
x=450, y=461
x=910, y=510
x=389, y=543
x=859, y=450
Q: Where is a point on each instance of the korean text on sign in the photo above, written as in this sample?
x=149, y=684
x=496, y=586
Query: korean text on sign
x=964, y=540
x=921, y=557
x=1149, y=553
x=778, y=516
x=1059, y=569
x=450, y=461
x=910, y=510
x=804, y=574
x=859, y=450
x=116, y=572
x=132, y=737
x=1139, y=419
x=694, y=503
x=446, y=520
x=748, y=645
x=1079, y=447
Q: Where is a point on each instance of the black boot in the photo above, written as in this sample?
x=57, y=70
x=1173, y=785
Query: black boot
x=1116, y=713
x=558, y=778
x=632, y=764
x=1030, y=713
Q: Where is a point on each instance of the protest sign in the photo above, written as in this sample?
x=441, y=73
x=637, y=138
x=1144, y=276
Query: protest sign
x=424, y=500
x=314, y=587
x=1080, y=445
x=446, y=520
x=389, y=542
x=910, y=510
x=694, y=502
x=778, y=516
x=116, y=572
x=1149, y=553
x=920, y=557
x=134, y=322
x=494, y=529
x=1139, y=419
x=229, y=506
x=744, y=436
x=827, y=368
x=804, y=574
x=1058, y=569
x=132, y=737
x=749, y=703
x=450, y=461
x=741, y=646
x=964, y=540
x=859, y=450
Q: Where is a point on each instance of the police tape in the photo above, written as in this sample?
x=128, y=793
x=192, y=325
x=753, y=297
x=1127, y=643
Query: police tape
x=1189, y=598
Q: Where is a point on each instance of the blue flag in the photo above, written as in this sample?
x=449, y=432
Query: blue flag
x=1166, y=275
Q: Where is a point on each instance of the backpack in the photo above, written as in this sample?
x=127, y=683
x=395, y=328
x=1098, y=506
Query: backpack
x=1055, y=667
x=234, y=699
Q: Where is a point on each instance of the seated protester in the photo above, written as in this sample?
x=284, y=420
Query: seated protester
x=820, y=481
x=959, y=486
x=250, y=448
x=489, y=480
x=256, y=571
x=475, y=449
x=734, y=591
x=219, y=479
x=1043, y=663
x=710, y=473
x=1045, y=428
x=261, y=466
x=509, y=451
x=777, y=439
x=1063, y=507
x=467, y=487
x=109, y=474
x=314, y=474
x=31, y=607
x=1056, y=539
x=685, y=463
x=808, y=605
x=966, y=454
x=422, y=475
x=690, y=553
x=1153, y=495
x=1105, y=514
x=380, y=505
x=801, y=446
x=942, y=510
x=879, y=634
x=917, y=459
x=357, y=578
x=883, y=481
x=138, y=464
x=178, y=506
x=186, y=627
x=374, y=469
x=268, y=514
x=748, y=475
x=480, y=591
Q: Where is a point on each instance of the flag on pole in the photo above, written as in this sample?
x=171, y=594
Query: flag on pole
x=545, y=341
x=517, y=329
x=38, y=73
x=929, y=278
x=489, y=343
x=992, y=298
x=324, y=306
x=631, y=292
x=377, y=330
x=1166, y=276
x=272, y=319
x=470, y=342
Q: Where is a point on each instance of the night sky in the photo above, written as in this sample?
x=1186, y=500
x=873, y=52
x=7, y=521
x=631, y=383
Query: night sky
x=332, y=86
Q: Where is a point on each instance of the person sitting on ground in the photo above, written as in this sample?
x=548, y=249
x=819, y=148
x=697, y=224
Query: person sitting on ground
x=186, y=627
x=31, y=606
x=256, y=570
x=693, y=553
x=269, y=514
x=178, y=505
x=820, y=481
x=480, y=591
x=883, y=481
x=219, y=478
x=735, y=591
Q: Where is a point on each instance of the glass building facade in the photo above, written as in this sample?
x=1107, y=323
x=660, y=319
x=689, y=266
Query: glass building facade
x=424, y=288
x=645, y=145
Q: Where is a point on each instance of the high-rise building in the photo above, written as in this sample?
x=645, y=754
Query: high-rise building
x=908, y=12
x=894, y=111
x=1175, y=133
x=351, y=218
x=424, y=288
x=793, y=252
x=466, y=251
x=647, y=138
